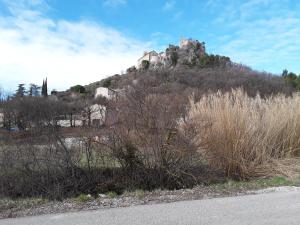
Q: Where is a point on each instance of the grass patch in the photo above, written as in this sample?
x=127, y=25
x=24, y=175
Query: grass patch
x=257, y=184
x=111, y=194
x=83, y=198
x=8, y=203
x=139, y=193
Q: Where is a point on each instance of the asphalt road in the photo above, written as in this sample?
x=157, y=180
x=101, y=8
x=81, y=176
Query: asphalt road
x=279, y=208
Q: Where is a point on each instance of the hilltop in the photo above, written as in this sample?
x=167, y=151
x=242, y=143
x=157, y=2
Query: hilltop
x=189, y=66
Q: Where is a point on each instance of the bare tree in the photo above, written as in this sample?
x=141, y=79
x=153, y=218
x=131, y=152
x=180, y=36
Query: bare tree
x=143, y=136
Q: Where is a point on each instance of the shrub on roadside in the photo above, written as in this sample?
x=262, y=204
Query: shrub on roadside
x=83, y=198
x=111, y=194
x=146, y=143
x=241, y=135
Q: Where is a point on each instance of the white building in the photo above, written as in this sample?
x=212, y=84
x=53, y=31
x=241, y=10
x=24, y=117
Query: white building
x=105, y=92
x=1, y=119
x=98, y=114
x=93, y=115
x=108, y=92
x=67, y=123
x=152, y=57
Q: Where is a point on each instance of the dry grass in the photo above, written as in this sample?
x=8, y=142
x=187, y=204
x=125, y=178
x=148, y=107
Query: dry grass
x=240, y=134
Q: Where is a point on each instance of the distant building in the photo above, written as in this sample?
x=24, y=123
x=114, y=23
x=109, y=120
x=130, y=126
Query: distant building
x=67, y=123
x=152, y=57
x=93, y=115
x=1, y=119
x=108, y=92
x=105, y=92
x=98, y=115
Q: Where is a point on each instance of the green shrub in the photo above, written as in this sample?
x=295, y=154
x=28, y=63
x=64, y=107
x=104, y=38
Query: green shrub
x=111, y=194
x=107, y=83
x=83, y=198
x=145, y=65
x=291, y=79
x=78, y=88
x=213, y=60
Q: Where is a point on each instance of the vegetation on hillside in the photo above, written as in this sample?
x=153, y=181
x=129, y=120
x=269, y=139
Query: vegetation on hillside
x=78, y=88
x=245, y=136
x=291, y=79
x=195, y=122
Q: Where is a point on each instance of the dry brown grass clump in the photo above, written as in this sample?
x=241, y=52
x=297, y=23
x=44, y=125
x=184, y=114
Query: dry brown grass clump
x=240, y=134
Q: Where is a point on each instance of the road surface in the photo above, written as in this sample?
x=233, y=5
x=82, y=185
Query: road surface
x=278, y=208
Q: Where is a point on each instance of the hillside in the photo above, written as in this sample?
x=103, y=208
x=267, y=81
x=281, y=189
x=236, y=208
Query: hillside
x=188, y=68
x=181, y=118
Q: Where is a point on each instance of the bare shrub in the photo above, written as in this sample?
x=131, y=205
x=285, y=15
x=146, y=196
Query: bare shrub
x=53, y=167
x=202, y=80
x=145, y=141
x=39, y=160
x=240, y=134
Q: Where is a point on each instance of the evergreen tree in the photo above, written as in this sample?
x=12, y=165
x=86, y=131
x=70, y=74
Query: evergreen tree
x=34, y=90
x=285, y=72
x=44, y=88
x=20, y=92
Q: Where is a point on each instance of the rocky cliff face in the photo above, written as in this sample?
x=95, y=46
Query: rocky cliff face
x=188, y=53
x=191, y=52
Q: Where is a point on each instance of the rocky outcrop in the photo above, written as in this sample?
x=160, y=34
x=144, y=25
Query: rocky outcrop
x=171, y=57
x=188, y=53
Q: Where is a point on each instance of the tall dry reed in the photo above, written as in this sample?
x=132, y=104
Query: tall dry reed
x=240, y=134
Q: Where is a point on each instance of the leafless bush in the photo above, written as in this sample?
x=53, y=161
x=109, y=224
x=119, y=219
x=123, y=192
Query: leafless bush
x=34, y=113
x=56, y=167
x=145, y=140
x=240, y=134
x=39, y=159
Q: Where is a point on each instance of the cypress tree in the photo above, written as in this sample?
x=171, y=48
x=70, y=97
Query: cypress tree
x=44, y=88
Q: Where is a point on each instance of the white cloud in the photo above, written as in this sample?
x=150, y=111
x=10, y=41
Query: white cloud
x=177, y=15
x=114, y=3
x=68, y=53
x=265, y=41
x=264, y=34
x=169, y=4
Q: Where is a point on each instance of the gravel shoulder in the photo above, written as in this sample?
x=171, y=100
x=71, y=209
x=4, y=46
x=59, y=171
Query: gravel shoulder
x=32, y=207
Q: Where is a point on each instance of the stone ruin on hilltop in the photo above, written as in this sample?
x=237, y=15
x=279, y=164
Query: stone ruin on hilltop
x=187, y=53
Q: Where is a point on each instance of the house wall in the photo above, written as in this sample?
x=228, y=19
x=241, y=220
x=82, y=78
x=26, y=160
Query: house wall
x=145, y=57
x=105, y=92
x=1, y=119
x=98, y=114
x=102, y=91
x=154, y=59
x=66, y=123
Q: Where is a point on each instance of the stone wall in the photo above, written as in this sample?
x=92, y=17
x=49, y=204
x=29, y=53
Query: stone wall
x=188, y=53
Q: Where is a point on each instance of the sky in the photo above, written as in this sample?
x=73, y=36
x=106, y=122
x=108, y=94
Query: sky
x=82, y=41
